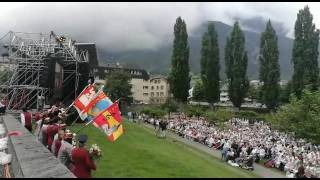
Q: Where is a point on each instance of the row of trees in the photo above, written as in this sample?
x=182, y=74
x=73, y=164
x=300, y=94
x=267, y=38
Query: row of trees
x=304, y=59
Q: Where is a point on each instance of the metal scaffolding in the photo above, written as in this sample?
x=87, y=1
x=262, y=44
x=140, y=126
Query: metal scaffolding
x=29, y=52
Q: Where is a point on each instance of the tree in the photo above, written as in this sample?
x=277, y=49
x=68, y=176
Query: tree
x=155, y=112
x=170, y=106
x=210, y=65
x=253, y=92
x=196, y=111
x=179, y=76
x=269, y=67
x=219, y=116
x=236, y=60
x=118, y=86
x=198, y=91
x=305, y=53
x=285, y=93
x=301, y=116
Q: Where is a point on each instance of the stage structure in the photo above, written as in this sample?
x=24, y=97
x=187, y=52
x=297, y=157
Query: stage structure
x=44, y=63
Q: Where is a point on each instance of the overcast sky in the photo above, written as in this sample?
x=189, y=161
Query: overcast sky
x=131, y=26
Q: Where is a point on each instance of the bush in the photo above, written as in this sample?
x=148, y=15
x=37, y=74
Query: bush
x=171, y=105
x=301, y=116
x=156, y=112
x=246, y=114
x=196, y=111
x=219, y=115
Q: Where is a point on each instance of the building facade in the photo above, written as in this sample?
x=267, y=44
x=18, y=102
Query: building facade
x=152, y=91
x=145, y=89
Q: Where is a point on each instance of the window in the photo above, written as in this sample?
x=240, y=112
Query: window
x=152, y=94
x=157, y=87
x=157, y=100
x=157, y=94
x=145, y=87
x=161, y=87
x=145, y=94
x=161, y=94
x=152, y=87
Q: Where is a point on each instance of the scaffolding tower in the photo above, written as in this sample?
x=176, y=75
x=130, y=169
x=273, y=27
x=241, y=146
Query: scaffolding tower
x=30, y=52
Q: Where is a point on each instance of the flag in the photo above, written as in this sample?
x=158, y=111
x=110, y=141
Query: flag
x=99, y=104
x=83, y=100
x=109, y=121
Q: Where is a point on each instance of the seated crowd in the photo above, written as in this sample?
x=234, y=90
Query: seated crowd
x=243, y=142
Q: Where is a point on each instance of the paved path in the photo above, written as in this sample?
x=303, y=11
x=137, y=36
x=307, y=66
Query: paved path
x=258, y=169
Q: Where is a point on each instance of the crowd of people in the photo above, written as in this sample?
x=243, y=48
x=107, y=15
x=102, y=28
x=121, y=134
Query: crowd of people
x=51, y=130
x=160, y=125
x=243, y=142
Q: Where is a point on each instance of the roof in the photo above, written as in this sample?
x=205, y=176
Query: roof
x=158, y=77
x=134, y=73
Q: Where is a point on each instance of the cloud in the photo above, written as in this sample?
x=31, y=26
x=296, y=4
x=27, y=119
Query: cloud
x=116, y=26
x=135, y=26
x=284, y=13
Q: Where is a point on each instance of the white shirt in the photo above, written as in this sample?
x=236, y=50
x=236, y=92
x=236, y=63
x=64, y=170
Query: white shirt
x=23, y=119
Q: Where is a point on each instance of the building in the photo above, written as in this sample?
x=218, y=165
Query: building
x=283, y=82
x=145, y=89
x=190, y=93
x=100, y=73
x=224, y=96
x=152, y=91
x=255, y=83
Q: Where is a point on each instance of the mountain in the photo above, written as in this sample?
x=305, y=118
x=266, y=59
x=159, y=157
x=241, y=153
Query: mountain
x=158, y=61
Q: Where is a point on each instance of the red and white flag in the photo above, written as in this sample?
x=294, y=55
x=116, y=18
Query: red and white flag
x=83, y=100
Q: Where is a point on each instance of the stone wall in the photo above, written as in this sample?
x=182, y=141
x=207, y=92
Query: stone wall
x=30, y=159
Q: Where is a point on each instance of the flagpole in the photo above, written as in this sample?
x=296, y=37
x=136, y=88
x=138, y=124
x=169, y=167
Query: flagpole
x=88, y=124
x=96, y=95
x=101, y=88
x=94, y=118
x=80, y=129
x=74, y=121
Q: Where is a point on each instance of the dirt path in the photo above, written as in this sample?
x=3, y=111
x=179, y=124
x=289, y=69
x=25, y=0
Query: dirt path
x=259, y=169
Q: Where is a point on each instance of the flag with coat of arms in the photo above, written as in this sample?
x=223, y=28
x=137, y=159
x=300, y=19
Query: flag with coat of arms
x=110, y=122
x=82, y=102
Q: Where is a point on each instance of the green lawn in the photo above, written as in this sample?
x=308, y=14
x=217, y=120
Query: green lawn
x=138, y=153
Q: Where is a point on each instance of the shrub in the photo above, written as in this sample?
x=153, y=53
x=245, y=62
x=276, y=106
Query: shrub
x=246, y=114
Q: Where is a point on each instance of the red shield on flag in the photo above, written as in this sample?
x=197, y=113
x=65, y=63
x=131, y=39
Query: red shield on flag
x=83, y=100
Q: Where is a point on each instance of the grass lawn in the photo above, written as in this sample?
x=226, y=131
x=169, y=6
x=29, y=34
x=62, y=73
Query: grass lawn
x=139, y=153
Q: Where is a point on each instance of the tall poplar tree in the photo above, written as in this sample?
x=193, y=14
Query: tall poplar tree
x=179, y=76
x=269, y=67
x=210, y=65
x=305, y=53
x=236, y=61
